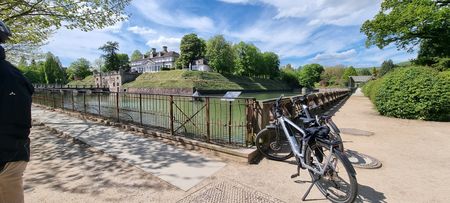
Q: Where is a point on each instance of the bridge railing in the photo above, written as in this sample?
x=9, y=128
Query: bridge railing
x=207, y=118
x=63, y=86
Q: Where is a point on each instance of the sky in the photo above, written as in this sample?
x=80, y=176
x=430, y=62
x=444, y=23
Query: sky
x=299, y=31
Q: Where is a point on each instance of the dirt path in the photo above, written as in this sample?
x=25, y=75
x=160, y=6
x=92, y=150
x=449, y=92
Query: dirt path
x=415, y=154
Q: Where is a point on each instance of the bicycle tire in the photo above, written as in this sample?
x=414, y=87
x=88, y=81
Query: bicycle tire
x=329, y=178
x=271, y=147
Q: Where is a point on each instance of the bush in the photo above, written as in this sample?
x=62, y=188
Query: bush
x=371, y=88
x=413, y=93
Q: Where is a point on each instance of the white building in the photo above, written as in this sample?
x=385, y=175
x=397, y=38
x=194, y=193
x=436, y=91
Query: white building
x=155, y=61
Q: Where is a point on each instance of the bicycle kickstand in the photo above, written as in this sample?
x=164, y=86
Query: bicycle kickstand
x=309, y=189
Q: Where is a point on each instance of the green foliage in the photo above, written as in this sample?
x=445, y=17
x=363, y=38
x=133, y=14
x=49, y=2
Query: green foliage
x=79, y=69
x=363, y=71
x=310, y=74
x=33, y=21
x=386, y=67
x=350, y=71
x=289, y=76
x=124, y=62
x=413, y=93
x=220, y=54
x=52, y=70
x=247, y=58
x=191, y=48
x=88, y=81
x=112, y=62
x=136, y=55
x=270, y=65
x=332, y=76
x=407, y=23
x=375, y=72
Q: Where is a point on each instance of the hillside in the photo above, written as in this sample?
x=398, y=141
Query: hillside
x=89, y=80
x=203, y=81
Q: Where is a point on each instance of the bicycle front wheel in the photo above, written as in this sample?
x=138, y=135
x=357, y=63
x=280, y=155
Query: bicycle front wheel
x=338, y=183
x=273, y=144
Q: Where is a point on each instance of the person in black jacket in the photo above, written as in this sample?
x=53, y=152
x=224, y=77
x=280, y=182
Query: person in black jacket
x=15, y=124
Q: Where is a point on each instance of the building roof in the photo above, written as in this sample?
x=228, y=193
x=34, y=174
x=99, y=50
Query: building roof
x=361, y=78
x=155, y=56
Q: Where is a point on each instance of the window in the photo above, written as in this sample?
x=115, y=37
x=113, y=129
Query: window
x=117, y=84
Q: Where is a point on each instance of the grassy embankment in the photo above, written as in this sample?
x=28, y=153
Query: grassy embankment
x=88, y=81
x=203, y=81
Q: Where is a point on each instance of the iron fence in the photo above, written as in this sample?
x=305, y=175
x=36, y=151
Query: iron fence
x=209, y=119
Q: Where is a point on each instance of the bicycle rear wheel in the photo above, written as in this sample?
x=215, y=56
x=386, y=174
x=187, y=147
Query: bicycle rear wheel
x=273, y=144
x=338, y=183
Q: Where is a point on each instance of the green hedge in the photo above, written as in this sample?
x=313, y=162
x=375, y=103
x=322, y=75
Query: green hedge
x=412, y=93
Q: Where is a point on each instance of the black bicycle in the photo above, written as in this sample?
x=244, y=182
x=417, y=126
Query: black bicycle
x=315, y=150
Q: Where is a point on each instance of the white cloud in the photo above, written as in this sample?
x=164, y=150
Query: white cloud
x=141, y=30
x=172, y=43
x=335, y=56
x=236, y=1
x=343, y=12
x=153, y=10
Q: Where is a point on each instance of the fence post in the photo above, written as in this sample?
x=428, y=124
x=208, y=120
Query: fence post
x=54, y=101
x=229, y=121
x=140, y=108
x=99, y=108
x=84, y=101
x=208, y=127
x=171, y=114
x=117, y=106
x=62, y=99
x=73, y=102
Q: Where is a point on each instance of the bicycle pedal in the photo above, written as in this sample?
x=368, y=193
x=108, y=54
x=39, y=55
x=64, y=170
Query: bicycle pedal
x=295, y=175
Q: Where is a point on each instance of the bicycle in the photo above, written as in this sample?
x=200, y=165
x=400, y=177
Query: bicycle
x=314, y=150
x=272, y=143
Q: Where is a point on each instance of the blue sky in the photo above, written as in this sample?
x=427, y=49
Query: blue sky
x=299, y=31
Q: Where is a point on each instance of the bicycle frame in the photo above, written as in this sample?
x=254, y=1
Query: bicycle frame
x=295, y=146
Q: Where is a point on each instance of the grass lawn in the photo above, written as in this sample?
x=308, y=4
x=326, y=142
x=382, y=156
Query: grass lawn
x=89, y=80
x=203, y=81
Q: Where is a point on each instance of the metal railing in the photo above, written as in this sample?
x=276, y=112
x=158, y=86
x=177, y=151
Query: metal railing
x=208, y=119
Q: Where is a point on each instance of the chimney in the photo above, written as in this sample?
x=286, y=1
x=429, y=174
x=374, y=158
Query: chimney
x=153, y=52
x=165, y=48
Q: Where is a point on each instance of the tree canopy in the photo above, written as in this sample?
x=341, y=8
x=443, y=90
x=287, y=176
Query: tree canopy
x=79, y=69
x=310, y=74
x=350, y=71
x=409, y=23
x=386, y=67
x=33, y=21
x=220, y=54
x=112, y=62
x=52, y=70
x=191, y=48
x=136, y=55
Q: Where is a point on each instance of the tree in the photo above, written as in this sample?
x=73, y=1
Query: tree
x=363, y=71
x=52, y=70
x=386, y=67
x=310, y=74
x=79, y=69
x=246, y=59
x=124, y=62
x=112, y=63
x=289, y=76
x=136, y=55
x=332, y=76
x=191, y=48
x=409, y=23
x=220, y=54
x=271, y=65
x=350, y=71
x=33, y=21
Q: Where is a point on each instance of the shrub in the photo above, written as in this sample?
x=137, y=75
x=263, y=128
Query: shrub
x=413, y=93
x=371, y=88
